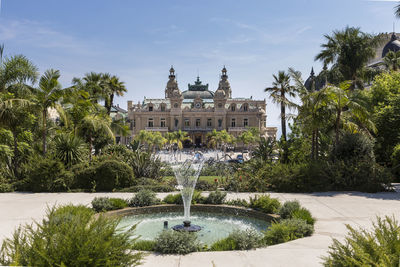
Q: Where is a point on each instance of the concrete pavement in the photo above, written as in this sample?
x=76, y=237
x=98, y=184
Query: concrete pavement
x=331, y=209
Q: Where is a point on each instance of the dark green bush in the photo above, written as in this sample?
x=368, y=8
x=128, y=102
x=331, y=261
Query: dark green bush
x=377, y=247
x=174, y=242
x=70, y=236
x=48, y=175
x=303, y=214
x=239, y=240
x=203, y=185
x=144, y=245
x=103, y=176
x=265, y=204
x=145, y=164
x=215, y=198
x=100, y=204
x=154, y=188
x=288, y=208
x=287, y=230
x=237, y=202
x=177, y=198
x=144, y=198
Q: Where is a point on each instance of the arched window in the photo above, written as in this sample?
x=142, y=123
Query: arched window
x=162, y=107
x=150, y=107
x=233, y=107
x=245, y=107
x=150, y=123
x=176, y=105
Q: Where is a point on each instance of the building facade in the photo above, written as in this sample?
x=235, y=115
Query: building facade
x=198, y=111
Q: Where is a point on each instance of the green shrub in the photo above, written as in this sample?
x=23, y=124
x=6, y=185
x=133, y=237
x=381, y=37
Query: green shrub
x=177, y=198
x=288, y=208
x=265, y=204
x=239, y=240
x=144, y=245
x=48, y=175
x=173, y=199
x=154, y=188
x=303, y=214
x=287, y=230
x=377, y=247
x=100, y=204
x=145, y=164
x=70, y=236
x=103, y=176
x=174, y=242
x=237, y=202
x=112, y=174
x=144, y=198
x=203, y=185
x=215, y=198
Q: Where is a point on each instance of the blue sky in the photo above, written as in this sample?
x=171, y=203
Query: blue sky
x=139, y=40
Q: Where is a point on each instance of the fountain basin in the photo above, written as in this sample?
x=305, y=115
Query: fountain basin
x=216, y=221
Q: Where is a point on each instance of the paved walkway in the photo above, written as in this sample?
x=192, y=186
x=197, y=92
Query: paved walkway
x=332, y=210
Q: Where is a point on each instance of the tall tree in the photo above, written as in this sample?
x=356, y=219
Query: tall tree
x=113, y=87
x=48, y=94
x=349, y=50
x=280, y=92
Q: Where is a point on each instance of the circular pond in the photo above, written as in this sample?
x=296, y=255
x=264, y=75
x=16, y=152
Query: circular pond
x=215, y=226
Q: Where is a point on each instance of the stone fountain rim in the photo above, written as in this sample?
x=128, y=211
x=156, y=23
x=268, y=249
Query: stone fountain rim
x=225, y=209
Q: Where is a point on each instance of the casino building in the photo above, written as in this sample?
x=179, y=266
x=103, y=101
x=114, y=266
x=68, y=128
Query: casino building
x=198, y=111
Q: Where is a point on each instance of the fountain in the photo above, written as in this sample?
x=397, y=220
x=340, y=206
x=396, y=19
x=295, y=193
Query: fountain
x=187, y=169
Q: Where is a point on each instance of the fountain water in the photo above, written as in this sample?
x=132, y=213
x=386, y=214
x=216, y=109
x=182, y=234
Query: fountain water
x=187, y=169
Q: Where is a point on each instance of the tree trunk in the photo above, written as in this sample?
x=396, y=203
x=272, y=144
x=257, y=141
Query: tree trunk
x=110, y=104
x=316, y=144
x=15, y=157
x=283, y=120
x=90, y=148
x=337, y=128
x=312, y=144
x=44, y=134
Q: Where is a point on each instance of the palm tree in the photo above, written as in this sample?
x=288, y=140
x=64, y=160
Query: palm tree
x=392, y=60
x=144, y=137
x=69, y=148
x=90, y=125
x=346, y=110
x=93, y=83
x=158, y=140
x=349, y=50
x=279, y=92
x=212, y=139
x=180, y=137
x=48, y=94
x=17, y=74
x=1, y=52
x=113, y=87
x=397, y=11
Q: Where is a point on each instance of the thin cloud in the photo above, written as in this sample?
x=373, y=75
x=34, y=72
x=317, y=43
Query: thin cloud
x=40, y=35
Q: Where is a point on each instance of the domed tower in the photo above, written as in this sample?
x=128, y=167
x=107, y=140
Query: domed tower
x=224, y=84
x=172, y=89
x=392, y=45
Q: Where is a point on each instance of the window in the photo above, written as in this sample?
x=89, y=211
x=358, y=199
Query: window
x=220, y=123
x=162, y=124
x=233, y=107
x=187, y=123
x=176, y=105
x=150, y=123
x=198, y=122
x=246, y=122
x=245, y=107
x=132, y=124
x=219, y=105
x=162, y=107
x=151, y=108
x=233, y=123
x=176, y=122
x=209, y=123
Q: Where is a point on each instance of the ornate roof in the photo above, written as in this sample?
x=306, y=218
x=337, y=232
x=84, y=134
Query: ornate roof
x=197, y=90
x=392, y=45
